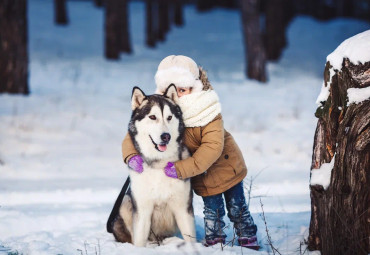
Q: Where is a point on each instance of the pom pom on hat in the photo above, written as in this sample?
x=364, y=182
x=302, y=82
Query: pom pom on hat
x=179, y=70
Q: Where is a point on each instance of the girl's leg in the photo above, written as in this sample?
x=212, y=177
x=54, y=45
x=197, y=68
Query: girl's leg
x=214, y=212
x=238, y=211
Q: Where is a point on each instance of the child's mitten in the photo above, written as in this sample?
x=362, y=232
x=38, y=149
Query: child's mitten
x=136, y=164
x=170, y=170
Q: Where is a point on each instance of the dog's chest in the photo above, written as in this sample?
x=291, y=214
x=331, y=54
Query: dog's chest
x=153, y=184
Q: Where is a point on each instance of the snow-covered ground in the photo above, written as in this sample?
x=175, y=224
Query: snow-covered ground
x=60, y=157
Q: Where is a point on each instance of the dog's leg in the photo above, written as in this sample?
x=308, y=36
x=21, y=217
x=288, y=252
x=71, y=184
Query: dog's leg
x=141, y=224
x=185, y=222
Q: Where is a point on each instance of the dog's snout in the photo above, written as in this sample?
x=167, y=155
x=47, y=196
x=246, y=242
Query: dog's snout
x=166, y=137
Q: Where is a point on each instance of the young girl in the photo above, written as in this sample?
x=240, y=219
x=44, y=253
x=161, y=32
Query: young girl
x=216, y=167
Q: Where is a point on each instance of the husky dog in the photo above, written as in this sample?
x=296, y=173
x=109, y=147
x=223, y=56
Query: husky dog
x=156, y=206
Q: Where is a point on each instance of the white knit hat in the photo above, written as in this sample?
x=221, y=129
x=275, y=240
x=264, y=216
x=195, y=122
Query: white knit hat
x=179, y=70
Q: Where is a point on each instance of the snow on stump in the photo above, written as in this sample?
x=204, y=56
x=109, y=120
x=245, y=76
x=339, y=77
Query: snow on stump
x=340, y=169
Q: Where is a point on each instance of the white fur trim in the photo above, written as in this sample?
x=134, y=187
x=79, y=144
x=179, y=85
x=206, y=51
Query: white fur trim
x=179, y=76
x=199, y=108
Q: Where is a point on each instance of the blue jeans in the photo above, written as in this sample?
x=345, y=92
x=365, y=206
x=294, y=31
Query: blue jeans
x=238, y=213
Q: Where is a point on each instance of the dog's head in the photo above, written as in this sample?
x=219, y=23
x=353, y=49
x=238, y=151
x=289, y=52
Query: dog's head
x=156, y=126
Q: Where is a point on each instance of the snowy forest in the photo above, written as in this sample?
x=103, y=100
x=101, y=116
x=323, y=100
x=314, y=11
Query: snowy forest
x=293, y=80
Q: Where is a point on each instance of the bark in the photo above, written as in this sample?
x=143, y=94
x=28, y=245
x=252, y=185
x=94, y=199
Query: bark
x=340, y=214
x=60, y=9
x=254, y=50
x=13, y=47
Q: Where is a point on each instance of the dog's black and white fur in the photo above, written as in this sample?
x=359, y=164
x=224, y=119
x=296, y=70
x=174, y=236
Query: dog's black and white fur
x=156, y=205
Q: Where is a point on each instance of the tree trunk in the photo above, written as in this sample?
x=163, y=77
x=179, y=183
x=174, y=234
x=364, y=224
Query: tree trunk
x=13, y=47
x=275, y=39
x=178, y=17
x=60, y=9
x=226, y=3
x=123, y=31
x=254, y=49
x=150, y=24
x=99, y=3
x=112, y=42
x=344, y=8
x=163, y=19
x=340, y=214
x=204, y=5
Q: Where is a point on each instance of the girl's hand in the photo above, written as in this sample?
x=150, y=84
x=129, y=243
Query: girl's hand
x=170, y=170
x=136, y=164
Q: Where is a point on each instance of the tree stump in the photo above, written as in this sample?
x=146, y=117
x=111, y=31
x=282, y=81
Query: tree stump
x=340, y=212
x=13, y=47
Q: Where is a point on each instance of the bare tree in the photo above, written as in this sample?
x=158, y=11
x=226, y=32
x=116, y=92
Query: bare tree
x=275, y=39
x=151, y=28
x=112, y=46
x=123, y=27
x=345, y=8
x=60, y=12
x=254, y=50
x=204, y=5
x=178, y=13
x=99, y=3
x=340, y=214
x=13, y=47
x=163, y=19
x=116, y=28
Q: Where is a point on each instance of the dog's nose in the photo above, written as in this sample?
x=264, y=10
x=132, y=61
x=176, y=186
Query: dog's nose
x=165, y=137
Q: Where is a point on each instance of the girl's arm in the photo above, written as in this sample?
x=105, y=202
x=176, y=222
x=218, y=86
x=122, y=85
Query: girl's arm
x=210, y=149
x=128, y=148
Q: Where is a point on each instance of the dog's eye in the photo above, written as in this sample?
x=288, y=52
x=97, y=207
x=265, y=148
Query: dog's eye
x=152, y=117
x=169, y=118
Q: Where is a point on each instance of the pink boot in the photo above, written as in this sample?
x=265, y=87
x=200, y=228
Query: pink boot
x=249, y=242
x=214, y=241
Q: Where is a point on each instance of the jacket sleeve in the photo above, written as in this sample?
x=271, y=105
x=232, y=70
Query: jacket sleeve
x=210, y=149
x=128, y=148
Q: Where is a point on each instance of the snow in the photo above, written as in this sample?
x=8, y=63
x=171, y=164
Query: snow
x=322, y=175
x=325, y=90
x=358, y=95
x=356, y=49
x=60, y=148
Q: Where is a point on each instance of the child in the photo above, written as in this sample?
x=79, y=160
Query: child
x=217, y=166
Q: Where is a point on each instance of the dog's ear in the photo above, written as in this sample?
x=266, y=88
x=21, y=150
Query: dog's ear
x=171, y=93
x=137, y=97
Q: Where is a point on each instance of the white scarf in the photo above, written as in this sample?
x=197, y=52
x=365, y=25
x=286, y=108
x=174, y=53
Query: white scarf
x=199, y=108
